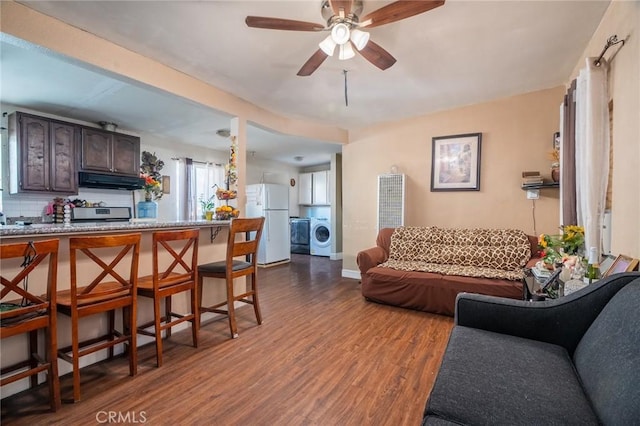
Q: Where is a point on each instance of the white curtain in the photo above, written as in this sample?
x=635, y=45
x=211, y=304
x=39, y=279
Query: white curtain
x=592, y=150
x=196, y=181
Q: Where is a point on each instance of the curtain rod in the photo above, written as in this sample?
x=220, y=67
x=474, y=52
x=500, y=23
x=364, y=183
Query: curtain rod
x=196, y=161
x=611, y=41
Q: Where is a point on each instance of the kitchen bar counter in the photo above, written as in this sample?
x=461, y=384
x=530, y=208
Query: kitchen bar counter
x=210, y=249
x=59, y=229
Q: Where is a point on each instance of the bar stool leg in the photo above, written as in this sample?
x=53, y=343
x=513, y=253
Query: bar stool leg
x=75, y=349
x=256, y=304
x=167, y=311
x=230, y=308
x=157, y=321
x=195, y=322
x=112, y=327
x=33, y=349
x=133, y=351
x=199, y=297
x=52, y=373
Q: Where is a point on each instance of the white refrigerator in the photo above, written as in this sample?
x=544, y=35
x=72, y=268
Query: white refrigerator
x=272, y=202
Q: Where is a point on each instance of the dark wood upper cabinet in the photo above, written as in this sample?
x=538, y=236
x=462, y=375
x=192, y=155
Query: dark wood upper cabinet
x=42, y=155
x=96, y=150
x=109, y=152
x=64, y=177
x=126, y=158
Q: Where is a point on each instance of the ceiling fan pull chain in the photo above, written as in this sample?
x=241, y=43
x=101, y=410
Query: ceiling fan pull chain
x=346, y=97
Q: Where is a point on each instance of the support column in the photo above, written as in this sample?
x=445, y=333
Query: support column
x=238, y=129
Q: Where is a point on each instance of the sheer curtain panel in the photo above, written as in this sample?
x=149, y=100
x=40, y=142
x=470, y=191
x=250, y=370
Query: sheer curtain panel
x=592, y=149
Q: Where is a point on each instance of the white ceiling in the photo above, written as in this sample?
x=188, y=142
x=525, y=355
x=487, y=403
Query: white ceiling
x=462, y=53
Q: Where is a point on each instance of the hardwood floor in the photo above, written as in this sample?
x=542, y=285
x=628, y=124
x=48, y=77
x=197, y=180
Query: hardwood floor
x=323, y=356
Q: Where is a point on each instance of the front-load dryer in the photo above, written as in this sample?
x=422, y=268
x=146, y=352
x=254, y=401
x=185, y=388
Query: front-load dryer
x=320, y=237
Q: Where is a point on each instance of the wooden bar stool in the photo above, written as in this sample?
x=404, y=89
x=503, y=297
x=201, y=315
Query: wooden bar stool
x=231, y=268
x=31, y=312
x=101, y=296
x=179, y=276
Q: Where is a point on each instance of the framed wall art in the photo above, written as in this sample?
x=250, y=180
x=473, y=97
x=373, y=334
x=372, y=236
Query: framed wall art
x=455, y=162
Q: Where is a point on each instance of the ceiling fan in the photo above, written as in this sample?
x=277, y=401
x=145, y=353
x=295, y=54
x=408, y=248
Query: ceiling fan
x=345, y=25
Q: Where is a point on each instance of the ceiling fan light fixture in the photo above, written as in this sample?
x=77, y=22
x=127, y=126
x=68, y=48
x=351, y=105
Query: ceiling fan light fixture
x=359, y=38
x=346, y=52
x=340, y=33
x=328, y=46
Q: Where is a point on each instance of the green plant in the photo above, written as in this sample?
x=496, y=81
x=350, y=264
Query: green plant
x=556, y=248
x=209, y=204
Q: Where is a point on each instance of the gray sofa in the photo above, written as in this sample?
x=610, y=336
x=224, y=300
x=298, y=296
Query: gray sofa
x=573, y=360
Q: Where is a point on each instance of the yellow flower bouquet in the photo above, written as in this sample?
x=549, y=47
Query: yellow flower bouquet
x=557, y=248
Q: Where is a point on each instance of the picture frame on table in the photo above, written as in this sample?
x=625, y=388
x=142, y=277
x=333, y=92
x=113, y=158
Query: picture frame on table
x=606, y=262
x=621, y=264
x=455, y=162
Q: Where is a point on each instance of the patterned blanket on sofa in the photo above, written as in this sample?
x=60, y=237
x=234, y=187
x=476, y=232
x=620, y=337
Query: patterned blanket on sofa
x=482, y=253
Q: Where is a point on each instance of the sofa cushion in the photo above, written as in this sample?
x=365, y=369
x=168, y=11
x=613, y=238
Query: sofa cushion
x=463, y=271
x=504, y=249
x=491, y=378
x=608, y=358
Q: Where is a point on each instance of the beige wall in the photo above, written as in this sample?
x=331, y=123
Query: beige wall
x=517, y=135
x=623, y=19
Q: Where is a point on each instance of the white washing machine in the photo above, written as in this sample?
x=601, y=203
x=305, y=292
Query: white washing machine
x=320, y=236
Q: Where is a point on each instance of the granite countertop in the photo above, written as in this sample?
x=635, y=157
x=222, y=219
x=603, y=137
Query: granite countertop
x=60, y=229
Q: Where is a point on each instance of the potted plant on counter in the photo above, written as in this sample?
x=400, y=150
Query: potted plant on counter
x=208, y=207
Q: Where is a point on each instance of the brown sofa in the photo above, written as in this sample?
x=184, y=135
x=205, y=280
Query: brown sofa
x=424, y=268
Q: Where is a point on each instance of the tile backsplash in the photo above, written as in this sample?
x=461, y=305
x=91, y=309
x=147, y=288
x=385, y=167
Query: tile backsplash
x=33, y=205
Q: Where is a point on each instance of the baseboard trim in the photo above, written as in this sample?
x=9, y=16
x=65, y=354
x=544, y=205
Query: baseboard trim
x=350, y=273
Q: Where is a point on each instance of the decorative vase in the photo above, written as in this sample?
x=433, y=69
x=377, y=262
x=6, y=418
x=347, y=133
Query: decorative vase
x=147, y=209
x=555, y=174
x=208, y=215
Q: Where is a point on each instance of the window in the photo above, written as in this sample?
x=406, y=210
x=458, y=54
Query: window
x=205, y=176
x=195, y=183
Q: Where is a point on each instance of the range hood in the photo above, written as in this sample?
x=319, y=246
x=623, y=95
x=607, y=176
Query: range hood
x=98, y=180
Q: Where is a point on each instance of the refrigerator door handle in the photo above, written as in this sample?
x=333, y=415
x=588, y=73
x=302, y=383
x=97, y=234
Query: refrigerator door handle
x=267, y=233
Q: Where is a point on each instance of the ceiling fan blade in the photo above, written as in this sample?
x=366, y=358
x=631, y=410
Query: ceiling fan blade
x=379, y=57
x=281, y=24
x=345, y=5
x=313, y=63
x=398, y=10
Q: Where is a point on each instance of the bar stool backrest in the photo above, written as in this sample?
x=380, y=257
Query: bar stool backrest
x=93, y=248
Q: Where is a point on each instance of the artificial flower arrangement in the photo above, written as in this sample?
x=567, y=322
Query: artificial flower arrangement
x=559, y=248
x=231, y=168
x=151, y=187
x=150, y=172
